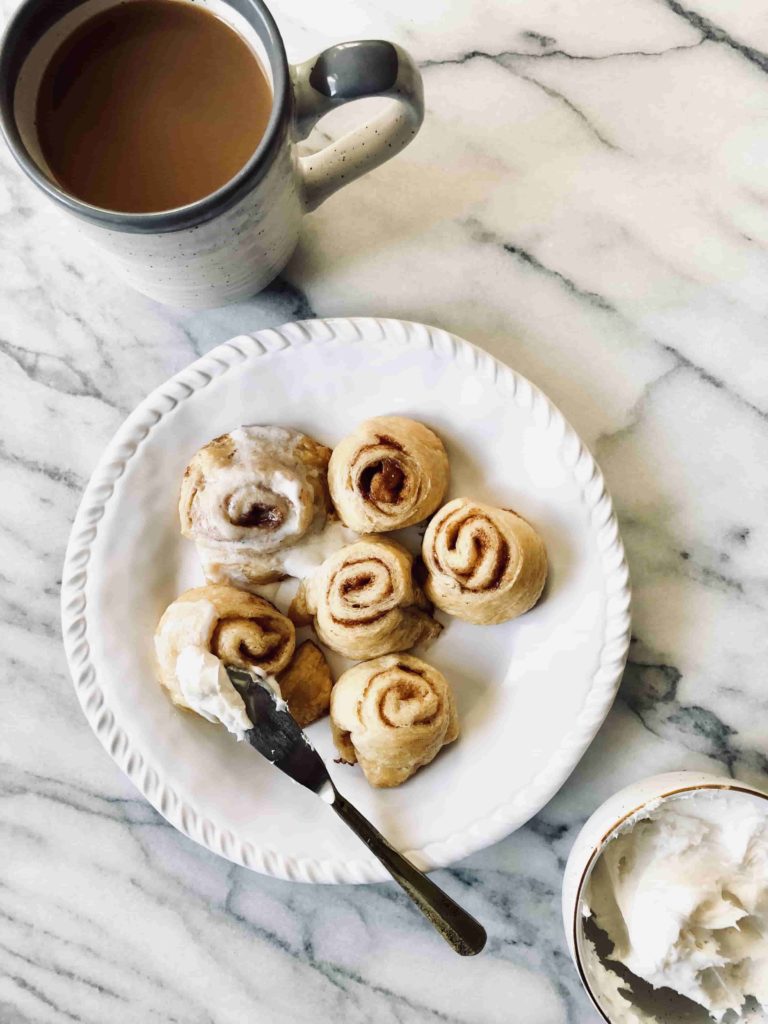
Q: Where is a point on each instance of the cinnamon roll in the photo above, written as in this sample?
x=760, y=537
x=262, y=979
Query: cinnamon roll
x=483, y=564
x=364, y=601
x=392, y=715
x=234, y=627
x=390, y=473
x=250, y=499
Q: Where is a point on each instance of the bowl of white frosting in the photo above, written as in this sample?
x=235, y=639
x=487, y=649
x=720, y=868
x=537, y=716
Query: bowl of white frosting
x=665, y=902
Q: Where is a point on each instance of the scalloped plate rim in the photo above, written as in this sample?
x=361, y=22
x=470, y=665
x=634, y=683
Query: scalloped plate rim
x=509, y=815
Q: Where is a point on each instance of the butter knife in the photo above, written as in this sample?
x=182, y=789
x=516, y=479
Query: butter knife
x=278, y=737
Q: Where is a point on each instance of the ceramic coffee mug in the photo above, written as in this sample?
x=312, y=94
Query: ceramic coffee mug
x=233, y=242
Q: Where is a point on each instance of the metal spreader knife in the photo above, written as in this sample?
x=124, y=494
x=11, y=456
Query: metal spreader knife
x=278, y=737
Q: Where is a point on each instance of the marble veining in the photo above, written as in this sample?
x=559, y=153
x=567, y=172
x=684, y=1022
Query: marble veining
x=587, y=200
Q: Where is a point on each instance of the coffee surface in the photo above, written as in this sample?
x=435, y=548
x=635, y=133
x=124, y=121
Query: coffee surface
x=151, y=105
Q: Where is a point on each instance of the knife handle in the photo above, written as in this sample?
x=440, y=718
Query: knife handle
x=457, y=927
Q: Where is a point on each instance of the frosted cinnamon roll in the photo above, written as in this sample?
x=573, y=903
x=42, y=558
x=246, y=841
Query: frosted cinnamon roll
x=484, y=564
x=223, y=624
x=250, y=497
x=364, y=601
x=392, y=715
x=390, y=473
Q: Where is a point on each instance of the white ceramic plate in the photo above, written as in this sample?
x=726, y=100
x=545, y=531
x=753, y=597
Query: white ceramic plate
x=531, y=693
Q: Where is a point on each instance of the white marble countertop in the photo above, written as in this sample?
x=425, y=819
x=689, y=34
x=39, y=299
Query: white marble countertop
x=588, y=200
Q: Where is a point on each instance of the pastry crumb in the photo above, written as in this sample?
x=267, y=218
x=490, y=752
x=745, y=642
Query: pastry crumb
x=306, y=684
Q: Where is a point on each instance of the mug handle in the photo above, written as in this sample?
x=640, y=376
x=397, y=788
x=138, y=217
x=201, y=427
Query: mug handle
x=349, y=71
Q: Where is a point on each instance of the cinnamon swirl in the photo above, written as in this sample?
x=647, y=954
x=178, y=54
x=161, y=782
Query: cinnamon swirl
x=390, y=473
x=365, y=602
x=236, y=628
x=250, y=499
x=484, y=564
x=392, y=715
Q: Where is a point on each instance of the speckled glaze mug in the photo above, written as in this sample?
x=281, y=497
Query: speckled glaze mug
x=232, y=243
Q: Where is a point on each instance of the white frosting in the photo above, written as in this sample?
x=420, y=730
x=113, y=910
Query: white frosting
x=683, y=895
x=270, y=683
x=263, y=471
x=301, y=560
x=612, y=988
x=294, y=490
x=184, y=624
x=225, y=564
x=208, y=690
x=256, y=438
x=260, y=473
